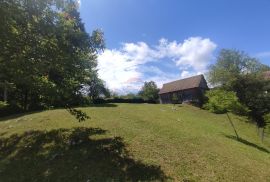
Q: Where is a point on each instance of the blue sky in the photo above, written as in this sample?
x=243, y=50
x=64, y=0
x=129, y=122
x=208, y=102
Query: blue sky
x=164, y=40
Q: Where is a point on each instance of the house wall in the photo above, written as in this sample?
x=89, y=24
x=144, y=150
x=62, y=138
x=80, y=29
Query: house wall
x=190, y=95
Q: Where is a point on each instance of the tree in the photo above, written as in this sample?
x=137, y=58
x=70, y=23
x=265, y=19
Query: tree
x=236, y=71
x=95, y=88
x=149, y=91
x=232, y=63
x=253, y=91
x=221, y=101
x=130, y=96
x=46, y=55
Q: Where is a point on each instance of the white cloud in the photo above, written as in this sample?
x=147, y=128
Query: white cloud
x=117, y=69
x=126, y=69
x=194, y=53
x=186, y=74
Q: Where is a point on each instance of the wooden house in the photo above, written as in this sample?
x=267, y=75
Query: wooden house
x=185, y=90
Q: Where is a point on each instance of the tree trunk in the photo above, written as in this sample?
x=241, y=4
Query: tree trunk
x=25, y=103
x=262, y=134
x=5, y=93
x=258, y=130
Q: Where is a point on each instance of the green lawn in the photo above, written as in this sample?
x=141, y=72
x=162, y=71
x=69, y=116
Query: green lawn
x=131, y=142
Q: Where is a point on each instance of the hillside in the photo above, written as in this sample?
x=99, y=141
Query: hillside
x=131, y=142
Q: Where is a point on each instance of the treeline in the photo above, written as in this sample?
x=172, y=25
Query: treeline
x=47, y=58
x=241, y=86
x=147, y=94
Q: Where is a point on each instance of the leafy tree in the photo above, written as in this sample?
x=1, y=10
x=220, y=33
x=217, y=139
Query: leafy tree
x=46, y=55
x=96, y=88
x=253, y=91
x=130, y=96
x=236, y=71
x=232, y=63
x=149, y=91
x=221, y=101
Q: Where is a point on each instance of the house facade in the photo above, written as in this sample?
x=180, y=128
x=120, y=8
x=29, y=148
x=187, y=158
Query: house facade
x=186, y=90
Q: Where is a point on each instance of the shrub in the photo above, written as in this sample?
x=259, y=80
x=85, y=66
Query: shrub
x=3, y=104
x=221, y=101
x=9, y=109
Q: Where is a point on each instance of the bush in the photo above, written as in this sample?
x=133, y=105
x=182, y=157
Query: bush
x=3, y=104
x=9, y=109
x=221, y=101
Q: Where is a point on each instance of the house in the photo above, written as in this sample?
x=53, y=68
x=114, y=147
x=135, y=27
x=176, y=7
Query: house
x=185, y=90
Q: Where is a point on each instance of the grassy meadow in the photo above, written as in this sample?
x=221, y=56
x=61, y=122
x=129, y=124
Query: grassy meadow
x=131, y=142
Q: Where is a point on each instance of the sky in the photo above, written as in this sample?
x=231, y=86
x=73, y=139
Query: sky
x=166, y=40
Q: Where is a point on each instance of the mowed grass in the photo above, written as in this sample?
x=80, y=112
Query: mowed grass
x=131, y=142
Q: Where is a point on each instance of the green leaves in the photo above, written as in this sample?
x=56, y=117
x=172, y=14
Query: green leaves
x=149, y=91
x=232, y=63
x=78, y=114
x=221, y=101
x=95, y=88
x=45, y=52
x=3, y=104
x=237, y=72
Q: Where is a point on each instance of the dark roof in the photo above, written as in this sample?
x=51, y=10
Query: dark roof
x=187, y=83
x=267, y=74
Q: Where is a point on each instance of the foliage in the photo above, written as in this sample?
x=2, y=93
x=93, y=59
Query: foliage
x=3, y=104
x=237, y=72
x=232, y=63
x=149, y=91
x=130, y=96
x=95, y=88
x=46, y=54
x=78, y=114
x=254, y=92
x=221, y=101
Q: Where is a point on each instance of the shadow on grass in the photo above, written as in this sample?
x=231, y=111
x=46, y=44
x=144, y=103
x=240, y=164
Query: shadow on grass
x=18, y=115
x=248, y=143
x=79, y=154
